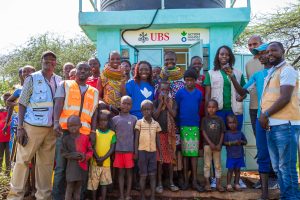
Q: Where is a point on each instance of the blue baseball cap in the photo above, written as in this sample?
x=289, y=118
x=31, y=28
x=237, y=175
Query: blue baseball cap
x=262, y=47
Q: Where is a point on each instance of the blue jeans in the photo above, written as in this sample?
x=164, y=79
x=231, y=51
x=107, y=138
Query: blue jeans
x=59, y=184
x=263, y=157
x=283, y=144
x=223, y=114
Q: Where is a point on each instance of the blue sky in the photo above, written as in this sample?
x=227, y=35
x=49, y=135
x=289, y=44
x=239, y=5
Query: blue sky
x=21, y=19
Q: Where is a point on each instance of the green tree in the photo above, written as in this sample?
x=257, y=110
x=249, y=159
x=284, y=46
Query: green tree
x=67, y=50
x=282, y=26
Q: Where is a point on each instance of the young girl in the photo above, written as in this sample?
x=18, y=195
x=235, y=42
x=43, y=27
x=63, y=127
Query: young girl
x=77, y=150
x=111, y=84
x=174, y=75
x=103, y=146
x=146, y=146
x=217, y=82
x=188, y=100
x=140, y=88
x=126, y=67
x=234, y=141
x=95, y=68
x=165, y=112
x=213, y=129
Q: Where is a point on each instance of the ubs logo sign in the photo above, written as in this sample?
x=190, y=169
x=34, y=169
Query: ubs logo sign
x=143, y=37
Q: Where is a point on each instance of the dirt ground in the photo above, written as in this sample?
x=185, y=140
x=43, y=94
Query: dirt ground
x=248, y=194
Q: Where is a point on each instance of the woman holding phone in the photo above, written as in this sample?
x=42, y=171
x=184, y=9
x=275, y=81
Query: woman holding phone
x=219, y=87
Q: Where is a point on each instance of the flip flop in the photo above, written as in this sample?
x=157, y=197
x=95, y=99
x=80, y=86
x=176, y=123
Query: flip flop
x=207, y=188
x=237, y=187
x=159, y=189
x=173, y=188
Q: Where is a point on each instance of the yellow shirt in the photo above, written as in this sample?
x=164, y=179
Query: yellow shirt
x=147, y=139
x=103, y=143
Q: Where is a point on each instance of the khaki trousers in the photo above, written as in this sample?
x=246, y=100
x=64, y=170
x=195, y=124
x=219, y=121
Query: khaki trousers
x=210, y=155
x=42, y=144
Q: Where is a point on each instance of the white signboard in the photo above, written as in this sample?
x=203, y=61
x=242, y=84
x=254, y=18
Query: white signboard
x=166, y=36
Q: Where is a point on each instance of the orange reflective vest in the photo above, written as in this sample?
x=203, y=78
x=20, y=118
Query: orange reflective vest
x=82, y=105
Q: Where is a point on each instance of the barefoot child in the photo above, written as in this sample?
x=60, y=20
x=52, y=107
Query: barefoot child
x=213, y=129
x=188, y=100
x=234, y=141
x=165, y=112
x=77, y=150
x=124, y=124
x=146, y=143
x=103, y=147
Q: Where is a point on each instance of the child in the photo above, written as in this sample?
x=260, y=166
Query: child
x=77, y=150
x=95, y=68
x=103, y=147
x=234, y=141
x=125, y=68
x=146, y=142
x=165, y=112
x=213, y=129
x=188, y=100
x=111, y=84
x=155, y=74
x=124, y=124
x=140, y=88
x=72, y=74
x=4, y=137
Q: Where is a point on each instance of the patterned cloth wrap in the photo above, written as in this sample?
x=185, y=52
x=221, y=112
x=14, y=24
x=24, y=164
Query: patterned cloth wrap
x=189, y=141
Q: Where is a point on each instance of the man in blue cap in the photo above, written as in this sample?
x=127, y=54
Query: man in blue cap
x=257, y=81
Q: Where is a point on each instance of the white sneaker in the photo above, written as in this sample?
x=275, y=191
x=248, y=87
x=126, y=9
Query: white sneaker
x=273, y=184
x=242, y=184
x=213, y=182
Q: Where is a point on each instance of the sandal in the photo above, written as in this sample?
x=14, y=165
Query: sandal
x=159, y=189
x=237, y=187
x=229, y=188
x=173, y=188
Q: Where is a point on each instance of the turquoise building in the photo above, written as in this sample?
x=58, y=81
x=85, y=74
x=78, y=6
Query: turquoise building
x=144, y=29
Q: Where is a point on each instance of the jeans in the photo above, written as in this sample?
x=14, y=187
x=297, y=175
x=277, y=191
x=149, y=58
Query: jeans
x=223, y=114
x=59, y=184
x=263, y=157
x=283, y=144
x=253, y=116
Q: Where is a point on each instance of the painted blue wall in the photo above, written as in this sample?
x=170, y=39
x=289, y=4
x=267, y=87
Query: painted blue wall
x=107, y=40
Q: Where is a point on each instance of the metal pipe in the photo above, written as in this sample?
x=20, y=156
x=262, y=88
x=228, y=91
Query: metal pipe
x=80, y=5
x=162, y=4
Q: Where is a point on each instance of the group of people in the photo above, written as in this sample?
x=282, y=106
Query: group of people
x=132, y=120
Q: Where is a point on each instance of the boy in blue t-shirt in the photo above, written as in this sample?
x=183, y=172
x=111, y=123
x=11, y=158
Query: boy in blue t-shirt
x=188, y=100
x=234, y=141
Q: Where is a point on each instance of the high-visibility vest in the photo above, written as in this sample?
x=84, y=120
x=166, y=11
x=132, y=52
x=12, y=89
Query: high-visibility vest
x=272, y=92
x=39, y=111
x=82, y=105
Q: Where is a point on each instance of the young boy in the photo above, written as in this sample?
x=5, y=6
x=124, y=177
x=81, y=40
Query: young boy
x=234, y=141
x=124, y=124
x=213, y=129
x=146, y=143
x=103, y=147
x=77, y=150
x=165, y=113
x=188, y=100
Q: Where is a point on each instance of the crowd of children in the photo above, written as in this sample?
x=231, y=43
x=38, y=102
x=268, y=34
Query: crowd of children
x=160, y=118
